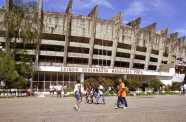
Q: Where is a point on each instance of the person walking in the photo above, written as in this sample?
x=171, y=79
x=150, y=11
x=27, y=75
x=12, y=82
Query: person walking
x=94, y=93
x=121, y=95
x=78, y=95
x=100, y=94
x=88, y=92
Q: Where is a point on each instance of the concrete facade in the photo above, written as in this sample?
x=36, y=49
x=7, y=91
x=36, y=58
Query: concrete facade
x=71, y=40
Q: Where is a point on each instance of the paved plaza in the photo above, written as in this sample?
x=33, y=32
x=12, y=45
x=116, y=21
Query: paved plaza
x=169, y=108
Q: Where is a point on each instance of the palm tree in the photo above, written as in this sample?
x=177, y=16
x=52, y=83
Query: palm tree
x=22, y=22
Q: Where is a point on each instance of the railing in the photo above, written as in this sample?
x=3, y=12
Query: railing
x=12, y=92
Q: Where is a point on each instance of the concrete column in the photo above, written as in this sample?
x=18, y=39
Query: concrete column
x=41, y=19
x=68, y=20
x=135, y=26
x=184, y=46
x=181, y=47
x=162, y=43
x=132, y=55
x=82, y=78
x=116, y=29
x=44, y=82
x=152, y=29
x=173, y=37
x=124, y=77
x=93, y=15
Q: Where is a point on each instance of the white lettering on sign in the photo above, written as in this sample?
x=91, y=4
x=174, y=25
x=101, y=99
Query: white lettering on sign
x=98, y=70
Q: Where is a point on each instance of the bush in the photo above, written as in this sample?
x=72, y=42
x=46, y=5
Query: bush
x=106, y=83
x=133, y=83
x=143, y=85
x=21, y=83
x=156, y=83
x=176, y=85
x=69, y=89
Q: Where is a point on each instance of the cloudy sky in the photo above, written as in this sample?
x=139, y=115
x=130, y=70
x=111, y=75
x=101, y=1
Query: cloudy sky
x=166, y=13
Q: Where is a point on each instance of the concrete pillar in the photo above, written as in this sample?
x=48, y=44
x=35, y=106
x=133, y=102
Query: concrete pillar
x=93, y=15
x=124, y=77
x=116, y=29
x=184, y=46
x=135, y=25
x=41, y=19
x=132, y=55
x=82, y=78
x=173, y=40
x=181, y=47
x=151, y=29
x=162, y=43
x=68, y=19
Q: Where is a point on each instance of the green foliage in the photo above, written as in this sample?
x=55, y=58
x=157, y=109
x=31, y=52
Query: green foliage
x=25, y=67
x=22, y=22
x=116, y=83
x=143, y=85
x=156, y=83
x=106, y=83
x=8, y=74
x=91, y=81
x=176, y=85
x=133, y=83
x=126, y=82
x=21, y=83
x=69, y=89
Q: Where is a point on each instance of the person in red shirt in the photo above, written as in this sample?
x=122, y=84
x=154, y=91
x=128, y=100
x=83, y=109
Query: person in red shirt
x=121, y=95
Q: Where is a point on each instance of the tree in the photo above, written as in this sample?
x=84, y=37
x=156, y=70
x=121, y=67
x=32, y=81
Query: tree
x=176, y=85
x=8, y=74
x=143, y=85
x=156, y=83
x=25, y=68
x=91, y=81
x=133, y=83
x=106, y=83
x=22, y=22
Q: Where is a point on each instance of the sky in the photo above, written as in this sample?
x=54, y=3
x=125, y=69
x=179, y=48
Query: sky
x=166, y=13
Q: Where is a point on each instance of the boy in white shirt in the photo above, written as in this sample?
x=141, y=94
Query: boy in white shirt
x=58, y=89
x=100, y=93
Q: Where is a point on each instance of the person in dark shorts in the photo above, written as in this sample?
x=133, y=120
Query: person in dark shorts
x=88, y=92
x=58, y=89
x=93, y=93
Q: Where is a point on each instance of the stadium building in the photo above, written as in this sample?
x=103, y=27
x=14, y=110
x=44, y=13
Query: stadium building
x=80, y=47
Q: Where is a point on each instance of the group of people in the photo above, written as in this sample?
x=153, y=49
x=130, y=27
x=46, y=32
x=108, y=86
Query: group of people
x=93, y=90
x=58, y=88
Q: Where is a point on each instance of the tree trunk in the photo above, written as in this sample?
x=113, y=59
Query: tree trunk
x=14, y=51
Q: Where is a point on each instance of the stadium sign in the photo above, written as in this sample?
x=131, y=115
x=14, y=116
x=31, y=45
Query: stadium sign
x=100, y=70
